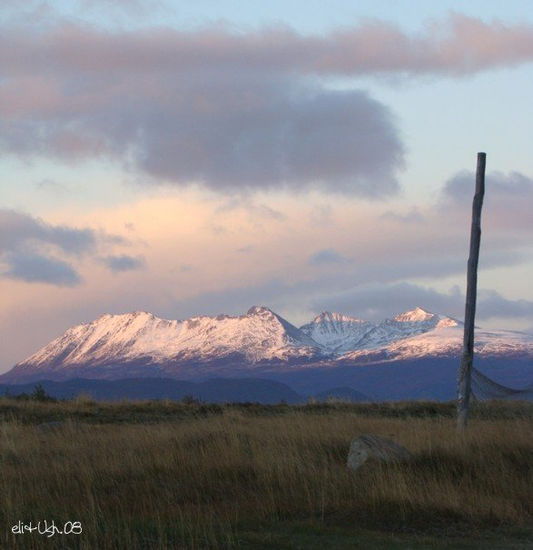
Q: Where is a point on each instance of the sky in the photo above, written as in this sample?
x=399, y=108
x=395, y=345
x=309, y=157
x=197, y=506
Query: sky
x=197, y=158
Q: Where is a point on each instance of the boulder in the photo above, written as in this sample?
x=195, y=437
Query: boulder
x=53, y=426
x=66, y=427
x=373, y=447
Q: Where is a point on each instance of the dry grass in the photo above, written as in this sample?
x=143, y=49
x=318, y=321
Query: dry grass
x=203, y=477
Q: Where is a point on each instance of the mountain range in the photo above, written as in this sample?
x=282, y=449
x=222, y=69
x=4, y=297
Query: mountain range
x=262, y=343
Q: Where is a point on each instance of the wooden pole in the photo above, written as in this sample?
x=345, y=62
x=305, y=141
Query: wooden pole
x=465, y=369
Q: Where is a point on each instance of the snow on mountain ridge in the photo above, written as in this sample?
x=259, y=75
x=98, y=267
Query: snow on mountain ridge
x=417, y=314
x=404, y=325
x=336, y=332
x=258, y=335
x=448, y=341
x=340, y=333
x=329, y=316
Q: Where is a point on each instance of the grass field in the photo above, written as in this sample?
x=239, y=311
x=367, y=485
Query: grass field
x=168, y=475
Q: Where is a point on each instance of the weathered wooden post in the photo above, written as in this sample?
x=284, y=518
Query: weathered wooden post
x=465, y=368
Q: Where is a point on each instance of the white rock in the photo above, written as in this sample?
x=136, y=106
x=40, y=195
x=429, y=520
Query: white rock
x=374, y=447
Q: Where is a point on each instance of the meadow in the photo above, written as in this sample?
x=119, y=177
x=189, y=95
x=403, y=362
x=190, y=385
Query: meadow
x=169, y=475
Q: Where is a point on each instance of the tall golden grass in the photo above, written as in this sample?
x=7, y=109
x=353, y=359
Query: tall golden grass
x=198, y=479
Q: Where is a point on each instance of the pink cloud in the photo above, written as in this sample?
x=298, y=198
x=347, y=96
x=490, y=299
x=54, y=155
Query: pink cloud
x=457, y=45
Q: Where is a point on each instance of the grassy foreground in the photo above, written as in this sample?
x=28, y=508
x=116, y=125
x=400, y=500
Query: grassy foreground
x=167, y=475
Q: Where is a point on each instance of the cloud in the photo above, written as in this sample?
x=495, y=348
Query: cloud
x=379, y=301
x=19, y=229
x=234, y=111
x=122, y=263
x=29, y=249
x=234, y=301
x=497, y=184
x=372, y=301
x=326, y=256
x=228, y=131
x=32, y=267
x=456, y=45
x=492, y=304
x=507, y=198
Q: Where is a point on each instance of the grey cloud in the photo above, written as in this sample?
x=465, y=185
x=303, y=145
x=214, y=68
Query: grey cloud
x=29, y=249
x=124, y=263
x=405, y=253
x=492, y=304
x=234, y=111
x=327, y=256
x=373, y=289
x=430, y=259
x=372, y=301
x=230, y=132
x=35, y=268
x=497, y=184
x=378, y=301
x=17, y=229
x=235, y=301
x=507, y=203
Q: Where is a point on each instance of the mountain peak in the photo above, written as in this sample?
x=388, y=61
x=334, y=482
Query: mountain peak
x=328, y=316
x=260, y=310
x=124, y=316
x=336, y=332
x=139, y=338
x=140, y=344
x=414, y=315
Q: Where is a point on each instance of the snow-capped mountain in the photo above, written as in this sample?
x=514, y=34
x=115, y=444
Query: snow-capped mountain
x=140, y=338
x=446, y=341
x=142, y=345
x=405, y=325
x=340, y=334
x=337, y=333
